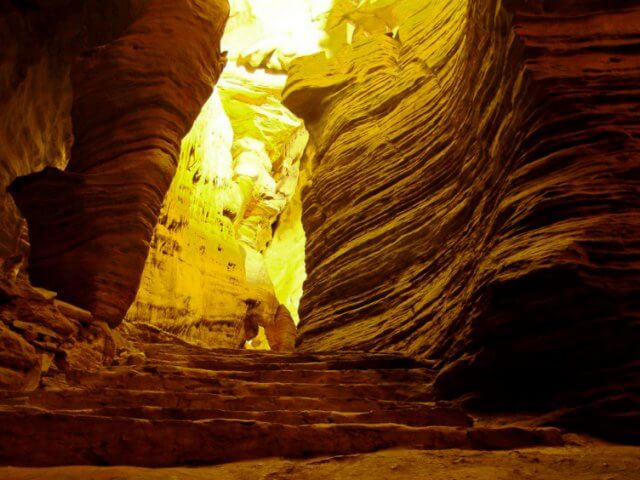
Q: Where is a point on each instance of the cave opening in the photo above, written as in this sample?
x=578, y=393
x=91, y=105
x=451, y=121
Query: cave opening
x=232, y=216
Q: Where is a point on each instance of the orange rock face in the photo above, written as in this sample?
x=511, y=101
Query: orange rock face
x=134, y=100
x=474, y=199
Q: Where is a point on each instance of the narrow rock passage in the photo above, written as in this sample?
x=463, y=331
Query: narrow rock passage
x=185, y=405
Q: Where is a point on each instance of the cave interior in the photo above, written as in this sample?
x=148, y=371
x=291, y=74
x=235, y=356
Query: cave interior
x=320, y=238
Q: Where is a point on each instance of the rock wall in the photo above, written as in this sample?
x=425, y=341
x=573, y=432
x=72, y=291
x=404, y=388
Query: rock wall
x=474, y=199
x=134, y=99
x=207, y=278
x=38, y=42
x=43, y=338
x=195, y=269
x=39, y=334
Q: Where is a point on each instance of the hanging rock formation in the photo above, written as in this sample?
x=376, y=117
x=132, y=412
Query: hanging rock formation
x=134, y=99
x=474, y=199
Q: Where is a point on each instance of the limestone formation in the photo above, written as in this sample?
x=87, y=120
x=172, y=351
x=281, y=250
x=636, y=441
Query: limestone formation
x=473, y=199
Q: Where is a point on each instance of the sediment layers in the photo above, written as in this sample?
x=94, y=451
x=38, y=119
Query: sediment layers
x=134, y=99
x=474, y=199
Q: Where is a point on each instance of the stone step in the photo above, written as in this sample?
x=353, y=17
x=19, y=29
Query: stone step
x=189, y=349
x=416, y=415
x=132, y=380
x=79, y=398
x=217, y=360
x=88, y=439
x=409, y=376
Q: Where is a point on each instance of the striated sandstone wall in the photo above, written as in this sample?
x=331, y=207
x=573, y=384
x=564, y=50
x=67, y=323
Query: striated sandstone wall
x=38, y=41
x=41, y=336
x=195, y=269
x=134, y=99
x=215, y=273
x=205, y=278
x=474, y=199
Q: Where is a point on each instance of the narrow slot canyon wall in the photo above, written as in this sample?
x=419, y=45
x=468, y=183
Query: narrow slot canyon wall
x=134, y=99
x=227, y=257
x=206, y=278
x=36, y=122
x=102, y=77
x=103, y=235
x=38, y=43
x=474, y=199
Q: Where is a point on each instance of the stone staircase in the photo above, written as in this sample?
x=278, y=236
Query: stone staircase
x=181, y=404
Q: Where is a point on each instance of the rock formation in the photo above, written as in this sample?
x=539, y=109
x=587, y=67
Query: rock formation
x=466, y=173
x=134, y=99
x=185, y=405
x=43, y=336
x=208, y=277
x=474, y=199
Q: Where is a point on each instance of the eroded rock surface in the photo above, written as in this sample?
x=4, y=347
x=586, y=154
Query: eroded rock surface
x=474, y=199
x=134, y=99
x=182, y=404
x=215, y=273
x=579, y=463
x=43, y=337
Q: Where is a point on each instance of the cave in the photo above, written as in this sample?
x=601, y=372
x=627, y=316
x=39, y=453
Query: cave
x=319, y=239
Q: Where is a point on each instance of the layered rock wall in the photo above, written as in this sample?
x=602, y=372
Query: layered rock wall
x=205, y=278
x=38, y=42
x=215, y=273
x=41, y=335
x=134, y=99
x=474, y=199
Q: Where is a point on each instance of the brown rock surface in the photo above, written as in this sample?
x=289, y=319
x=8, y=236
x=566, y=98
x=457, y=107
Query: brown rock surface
x=38, y=42
x=588, y=463
x=41, y=337
x=474, y=199
x=184, y=404
x=134, y=99
x=281, y=332
x=237, y=171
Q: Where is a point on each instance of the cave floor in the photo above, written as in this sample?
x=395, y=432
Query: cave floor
x=275, y=415
x=593, y=462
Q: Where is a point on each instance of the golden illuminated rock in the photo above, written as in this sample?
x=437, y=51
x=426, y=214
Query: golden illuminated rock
x=206, y=278
x=195, y=269
x=472, y=199
x=469, y=188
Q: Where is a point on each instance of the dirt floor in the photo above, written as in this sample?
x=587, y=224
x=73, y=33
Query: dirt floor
x=595, y=462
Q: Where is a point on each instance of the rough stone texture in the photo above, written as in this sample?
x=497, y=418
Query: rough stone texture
x=182, y=404
x=593, y=462
x=38, y=41
x=35, y=100
x=194, y=280
x=41, y=337
x=134, y=99
x=206, y=274
x=207, y=278
x=474, y=199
